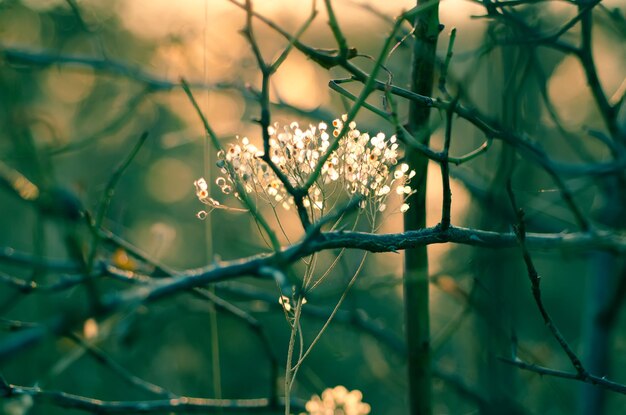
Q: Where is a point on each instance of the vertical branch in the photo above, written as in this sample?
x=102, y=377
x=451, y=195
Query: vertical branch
x=585, y=55
x=504, y=90
x=535, y=282
x=416, y=298
x=446, y=64
x=445, y=170
x=264, y=100
x=288, y=365
x=103, y=207
x=604, y=267
x=208, y=229
x=334, y=26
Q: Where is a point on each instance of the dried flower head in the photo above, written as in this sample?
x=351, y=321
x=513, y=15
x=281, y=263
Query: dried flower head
x=337, y=401
x=362, y=165
x=283, y=300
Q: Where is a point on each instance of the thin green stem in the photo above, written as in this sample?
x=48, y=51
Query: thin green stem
x=337, y=33
x=103, y=207
x=292, y=342
x=445, y=173
x=369, y=85
x=416, y=295
x=241, y=191
x=332, y=314
x=446, y=64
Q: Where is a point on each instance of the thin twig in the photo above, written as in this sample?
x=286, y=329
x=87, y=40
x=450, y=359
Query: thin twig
x=445, y=173
x=520, y=232
x=591, y=379
x=107, y=361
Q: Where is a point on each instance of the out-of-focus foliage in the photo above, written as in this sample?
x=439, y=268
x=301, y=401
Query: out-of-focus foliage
x=80, y=81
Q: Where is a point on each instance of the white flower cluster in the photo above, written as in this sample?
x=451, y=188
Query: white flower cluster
x=361, y=165
x=285, y=302
x=337, y=401
x=202, y=192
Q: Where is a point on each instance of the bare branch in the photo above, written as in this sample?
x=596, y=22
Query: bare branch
x=591, y=379
x=187, y=404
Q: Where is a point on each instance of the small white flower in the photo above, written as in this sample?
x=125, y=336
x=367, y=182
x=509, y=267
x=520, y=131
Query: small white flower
x=201, y=184
x=284, y=301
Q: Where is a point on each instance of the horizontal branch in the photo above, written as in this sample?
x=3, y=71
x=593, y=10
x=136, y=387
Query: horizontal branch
x=12, y=256
x=16, y=57
x=29, y=286
x=586, y=378
x=487, y=239
x=353, y=240
x=372, y=243
x=253, y=266
x=186, y=404
x=493, y=129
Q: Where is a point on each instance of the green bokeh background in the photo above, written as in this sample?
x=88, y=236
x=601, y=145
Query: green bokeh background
x=66, y=127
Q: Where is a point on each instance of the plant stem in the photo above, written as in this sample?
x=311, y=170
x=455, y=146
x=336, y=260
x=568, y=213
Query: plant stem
x=417, y=320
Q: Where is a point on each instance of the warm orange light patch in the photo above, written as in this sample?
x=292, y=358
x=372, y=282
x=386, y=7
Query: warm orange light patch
x=90, y=329
x=122, y=260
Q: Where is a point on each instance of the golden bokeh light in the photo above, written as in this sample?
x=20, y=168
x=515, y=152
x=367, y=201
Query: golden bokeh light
x=166, y=178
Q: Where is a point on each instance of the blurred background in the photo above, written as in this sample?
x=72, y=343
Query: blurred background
x=81, y=80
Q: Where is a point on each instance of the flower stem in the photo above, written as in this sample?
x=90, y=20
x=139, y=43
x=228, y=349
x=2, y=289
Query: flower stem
x=416, y=298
